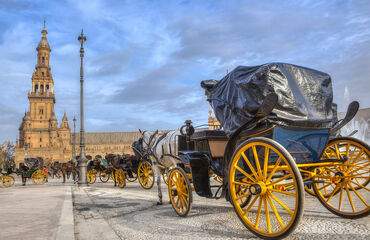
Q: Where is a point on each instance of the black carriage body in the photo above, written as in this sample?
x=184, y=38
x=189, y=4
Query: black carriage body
x=30, y=166
x=212, y=150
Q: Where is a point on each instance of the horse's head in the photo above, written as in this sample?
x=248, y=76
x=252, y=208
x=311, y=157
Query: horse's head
x=147, y=139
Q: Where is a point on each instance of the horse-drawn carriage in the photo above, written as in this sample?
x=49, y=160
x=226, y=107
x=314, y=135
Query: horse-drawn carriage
x=6, y=179
x=117, y=167
x=95, y=167
x=280, y=137
x=31, y=168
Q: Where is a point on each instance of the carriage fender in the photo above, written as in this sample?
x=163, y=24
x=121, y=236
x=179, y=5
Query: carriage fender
x=199, y=166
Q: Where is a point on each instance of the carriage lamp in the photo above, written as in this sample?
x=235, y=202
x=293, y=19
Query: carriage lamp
x=189, y=130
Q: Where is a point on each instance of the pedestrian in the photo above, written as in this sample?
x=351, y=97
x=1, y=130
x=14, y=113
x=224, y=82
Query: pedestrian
x=23, y=168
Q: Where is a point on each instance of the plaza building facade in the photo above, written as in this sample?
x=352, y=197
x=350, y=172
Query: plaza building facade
x=40, y=135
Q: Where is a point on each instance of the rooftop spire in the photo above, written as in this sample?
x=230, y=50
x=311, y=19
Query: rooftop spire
x=44, y=42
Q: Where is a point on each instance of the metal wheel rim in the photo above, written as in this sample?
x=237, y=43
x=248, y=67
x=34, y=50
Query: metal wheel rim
x=180, y=195
x=356, y=172
x=268, y=199
x=146, y=175
x=38, y=177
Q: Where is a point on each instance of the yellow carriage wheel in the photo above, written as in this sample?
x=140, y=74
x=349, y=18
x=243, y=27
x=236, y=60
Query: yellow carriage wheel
x=91, y=176
x=38, y=177
x=145, y=174
x=7, y=181
x=267, y=172
x=181, y=195
x=104, y=177
x=350, y=197
x=120, y=177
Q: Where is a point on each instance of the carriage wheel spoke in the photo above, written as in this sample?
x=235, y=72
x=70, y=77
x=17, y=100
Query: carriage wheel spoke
x=340, y=198
x=350, y=199
x=265, y=162
x=274, y=169
x=282, y=204
x=358, y=156
x=284, y=192
x=258, y=212
x=243, y=196
x=249, y=165
x=324, y=187
x=358, y=195
x=245, y=174
x=242, y=183
x=267, y=215
x=332, y=194
x=347, y=149
x=359, y=168
x=256, y=159
x=282, y=178
x=362, y=186
x=251, y=205
x=337, y=151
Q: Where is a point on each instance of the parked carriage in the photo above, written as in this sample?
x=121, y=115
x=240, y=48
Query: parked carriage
x=95, y=168
x=122, y=167
x=6, y=179
x=31, y=168
x=280, y=136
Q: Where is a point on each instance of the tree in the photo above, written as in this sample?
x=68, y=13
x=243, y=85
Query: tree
x=6, y=154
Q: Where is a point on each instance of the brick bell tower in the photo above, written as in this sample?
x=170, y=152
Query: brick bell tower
x=39, y=128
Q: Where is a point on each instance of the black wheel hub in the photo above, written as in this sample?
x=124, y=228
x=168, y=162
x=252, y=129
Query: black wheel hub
x=255, y=189
x=340, y=174
x=174, y=192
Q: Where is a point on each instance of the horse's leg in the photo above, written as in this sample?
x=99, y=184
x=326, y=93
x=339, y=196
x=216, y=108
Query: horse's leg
x=64, y=175
x=158, y=174
x=114, y=177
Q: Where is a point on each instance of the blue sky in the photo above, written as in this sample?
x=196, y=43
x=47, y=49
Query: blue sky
x=145, y=59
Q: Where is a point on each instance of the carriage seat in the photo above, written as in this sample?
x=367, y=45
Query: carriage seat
x=215, y=139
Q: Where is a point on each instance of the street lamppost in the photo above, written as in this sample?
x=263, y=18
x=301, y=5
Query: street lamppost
x=74, y=140
x=82, y=161
x=25, y=151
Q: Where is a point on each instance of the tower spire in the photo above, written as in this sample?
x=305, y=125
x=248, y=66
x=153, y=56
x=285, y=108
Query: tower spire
x=44, y=23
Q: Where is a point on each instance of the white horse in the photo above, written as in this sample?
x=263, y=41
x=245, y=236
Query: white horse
x=163, y=150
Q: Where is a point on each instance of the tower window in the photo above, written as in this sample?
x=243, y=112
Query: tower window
x=40, y=139
x=41, y=111
x=42, y=73
x=43, y=60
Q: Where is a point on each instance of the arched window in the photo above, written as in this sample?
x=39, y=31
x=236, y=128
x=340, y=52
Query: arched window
x=43, y=60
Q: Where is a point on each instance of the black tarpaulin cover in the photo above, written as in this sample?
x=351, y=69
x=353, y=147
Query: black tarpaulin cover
x=304, y=96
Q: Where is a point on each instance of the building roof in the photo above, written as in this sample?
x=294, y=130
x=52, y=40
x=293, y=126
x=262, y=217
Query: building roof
x=109, y=137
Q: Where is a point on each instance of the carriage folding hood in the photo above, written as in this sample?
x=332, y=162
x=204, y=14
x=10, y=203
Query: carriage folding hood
x=305, y=96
